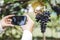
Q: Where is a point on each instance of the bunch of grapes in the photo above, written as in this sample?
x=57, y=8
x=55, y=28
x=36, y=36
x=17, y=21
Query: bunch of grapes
x=55, y=7
x=43, y=18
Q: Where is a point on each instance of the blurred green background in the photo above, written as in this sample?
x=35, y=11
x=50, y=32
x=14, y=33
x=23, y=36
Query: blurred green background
x=52, y=30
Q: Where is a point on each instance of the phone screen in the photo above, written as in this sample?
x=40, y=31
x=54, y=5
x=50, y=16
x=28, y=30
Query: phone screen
x=19, y=20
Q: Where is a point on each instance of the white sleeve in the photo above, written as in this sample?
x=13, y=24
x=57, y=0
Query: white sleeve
x=27, y=35
x=1, y=29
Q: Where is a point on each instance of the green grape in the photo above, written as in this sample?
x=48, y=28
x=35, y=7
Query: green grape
x=13, y=31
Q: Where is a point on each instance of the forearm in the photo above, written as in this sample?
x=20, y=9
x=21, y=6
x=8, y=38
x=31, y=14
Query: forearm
x=1, y=28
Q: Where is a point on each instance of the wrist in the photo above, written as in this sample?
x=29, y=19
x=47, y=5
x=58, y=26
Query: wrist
x=1, y=28
x=1, y=25
x=27, y=31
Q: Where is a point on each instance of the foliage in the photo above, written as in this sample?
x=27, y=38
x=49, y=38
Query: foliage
x=16, y=32
x=54, y=21
x=12, y=33
x=6, y=1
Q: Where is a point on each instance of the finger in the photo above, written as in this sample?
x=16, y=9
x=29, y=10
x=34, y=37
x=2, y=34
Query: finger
x=9, y=16
x=10, y=25
x=28, y=18
x=9, y=20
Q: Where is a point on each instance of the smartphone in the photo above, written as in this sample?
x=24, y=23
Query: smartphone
x=19, y=20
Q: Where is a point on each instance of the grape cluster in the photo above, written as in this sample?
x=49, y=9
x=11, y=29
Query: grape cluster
x=43, y=18
x=56, y=8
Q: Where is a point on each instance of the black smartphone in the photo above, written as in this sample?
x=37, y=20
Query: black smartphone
x=19, y=20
